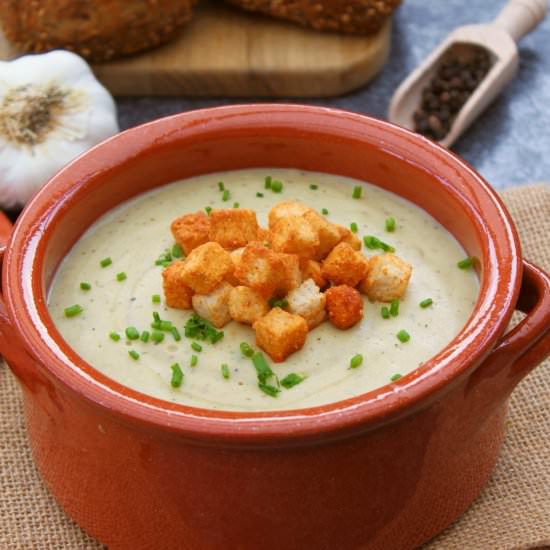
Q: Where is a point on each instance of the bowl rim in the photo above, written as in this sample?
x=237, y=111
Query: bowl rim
x=27, y=309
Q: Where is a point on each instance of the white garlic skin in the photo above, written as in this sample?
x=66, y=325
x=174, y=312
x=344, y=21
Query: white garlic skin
x=24, y=169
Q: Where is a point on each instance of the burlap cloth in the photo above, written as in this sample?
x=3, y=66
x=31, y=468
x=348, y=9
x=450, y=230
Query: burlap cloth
x=513, y=511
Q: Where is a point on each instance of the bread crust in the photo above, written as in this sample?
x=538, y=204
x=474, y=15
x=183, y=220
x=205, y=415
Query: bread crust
x=349, y=16
x=98, y=30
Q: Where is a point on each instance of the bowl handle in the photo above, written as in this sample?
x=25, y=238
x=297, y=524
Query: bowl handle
x=11, y=347
x=527, y=344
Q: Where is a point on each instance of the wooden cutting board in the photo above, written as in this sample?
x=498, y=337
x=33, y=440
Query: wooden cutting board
x=225, y=52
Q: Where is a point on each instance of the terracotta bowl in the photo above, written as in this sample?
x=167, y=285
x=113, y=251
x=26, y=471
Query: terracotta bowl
x=385, y=470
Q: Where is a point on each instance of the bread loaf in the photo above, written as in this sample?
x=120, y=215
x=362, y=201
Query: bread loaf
x=98, y=30
x=350, y=16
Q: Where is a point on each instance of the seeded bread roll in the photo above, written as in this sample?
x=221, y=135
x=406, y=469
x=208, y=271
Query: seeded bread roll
x=349, y=16
x=98, y=30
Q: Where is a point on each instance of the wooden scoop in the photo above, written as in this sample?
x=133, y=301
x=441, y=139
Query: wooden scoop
x=498, y=38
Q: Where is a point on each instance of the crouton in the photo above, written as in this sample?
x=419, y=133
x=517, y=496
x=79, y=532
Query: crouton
x=235, y=259
x=246, y=305
x=344, y=306
x=312, y=270
x=290, y=276
x=327, y=233
x=214, y=307
x=206, y=267
x=344, y=266
x=259, y=268
x=176, y=293
x=294, y=235
x=284, y=210
x=233, y=228
x=386, y=279
x=349, y=237
x=308, y=302
x=191, y=230
x=280, y=333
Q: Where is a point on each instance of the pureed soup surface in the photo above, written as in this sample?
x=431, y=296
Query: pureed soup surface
x=137, y=232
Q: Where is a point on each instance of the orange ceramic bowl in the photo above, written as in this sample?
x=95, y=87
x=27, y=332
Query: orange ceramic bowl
x=384, y=470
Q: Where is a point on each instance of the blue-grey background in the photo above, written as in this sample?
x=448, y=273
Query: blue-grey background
x=509, y=144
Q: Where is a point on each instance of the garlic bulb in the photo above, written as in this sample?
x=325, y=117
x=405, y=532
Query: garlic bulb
x=52, y=109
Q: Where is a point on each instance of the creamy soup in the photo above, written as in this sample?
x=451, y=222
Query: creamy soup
x=134, y=234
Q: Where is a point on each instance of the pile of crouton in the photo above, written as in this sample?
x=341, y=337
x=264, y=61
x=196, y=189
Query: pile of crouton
x=234, y=269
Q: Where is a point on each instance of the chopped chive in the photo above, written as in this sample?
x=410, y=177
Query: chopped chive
x=260, y=195
x=166, y=326
x=194, y=360
x=353, y=227
x=394, y=308
x=373, y=243
x=85, y=286
x=390, y=225
x=73, y=311
x=157, y=336
x=114, y=336
x=155, y=298
x=177, y=251
x=177, y=376
x=403, y=336
x=291, y=380
x=236, y=205
x=133, y=354
x=225, y=196
x=356, y=361
x=269, y=389
x=145, y=336
x=176, y=334
x=276, y=186
x=200, y=329
x=395, y=377
x=385, y=312
x=221, y=186
x=275, y=302
x=324, y=211
x=156, y=316
x=314, y=187
x=196, y=346
x=132, y=333
x=267, y=182
x=208, y=209
x=155, y=325
x=225, y=371
x=105, y=262
x=466, y=263
x=246, y=350
x=357, y=191
x=426, y=303
x=263, y=370
x=121, y=276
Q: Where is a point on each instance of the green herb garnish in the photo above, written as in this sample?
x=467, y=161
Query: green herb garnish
x=85, y=286
x=291, y=380
x=259, y=195
x=208, y=209
x=166, y=326
x=221, y=186
x=390, y=225
x=114, y=336
x=105, y=262
x=394, y=308
x=324, y=211
x=267, y=182
x=276, y=302
x=246, y=350
x=385, y=312
x=357, y=191
x=263, y=370
x=155, y=298
x=145, y=335
x=226, y=195
x=133, y=354
x=269, y=389
x=73, y=311
x=426, y=303
x=374, y=243
x=356, y=361
x=121, y=276
x=236, y=205
x=466, y=263
x=353, y=227
x=165, y=259
x=403, y=336
x=196, y=346
x=132, y=333
x=314, y=187
x=225, y=371
x=157, y=336
x=276, y=186
x=395, y=377
x=194, y=360
x=177, y=251
x=201, y=329
x=176, y=334
x=177, y=376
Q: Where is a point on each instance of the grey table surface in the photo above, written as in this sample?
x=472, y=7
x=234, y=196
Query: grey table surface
x=509, y=144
